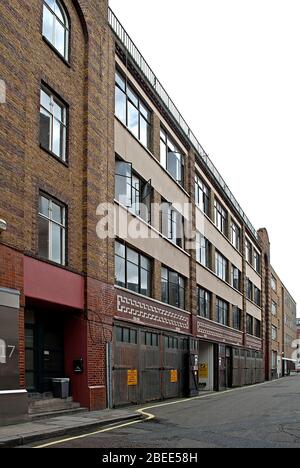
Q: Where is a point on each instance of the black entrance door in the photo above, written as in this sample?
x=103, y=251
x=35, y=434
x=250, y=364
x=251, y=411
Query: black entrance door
x=44, y=333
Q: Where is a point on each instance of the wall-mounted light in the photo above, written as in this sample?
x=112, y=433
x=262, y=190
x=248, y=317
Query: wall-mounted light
x=3, y=225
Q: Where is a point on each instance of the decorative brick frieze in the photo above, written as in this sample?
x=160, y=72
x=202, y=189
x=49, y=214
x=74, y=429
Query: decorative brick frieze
x=215, y=332
x=147, y=312
x=253, y=343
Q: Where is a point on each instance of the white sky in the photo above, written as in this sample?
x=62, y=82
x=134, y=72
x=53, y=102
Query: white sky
x=232, y=67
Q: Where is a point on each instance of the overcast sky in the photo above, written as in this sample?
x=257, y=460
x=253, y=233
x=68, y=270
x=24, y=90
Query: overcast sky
x=233, y=69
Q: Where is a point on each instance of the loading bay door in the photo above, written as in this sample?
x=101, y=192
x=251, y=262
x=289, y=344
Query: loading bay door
x=148, y=366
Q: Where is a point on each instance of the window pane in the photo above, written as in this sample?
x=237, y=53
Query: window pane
x=144, y=131
x=164, y=291
x=145, y=282
x=132, y=277
x=43, y=238
x=144, y=111
x=163, y=154
x=48, y=24
x=120, y=249
x=173, y=299
x=45, y=129
x=58, y=139
x=181, y=298
x=132, y=256
x=29, y=338
x=57, y=213
x=120, y=105
x=145, y=263
x=44, y=206
x=133, y=119
x=29, y=359
x=59, y=13
x=132, y=96
x=120, y=272
x=51, y=4
x=45, y=100
x=119, y=334
x=58, y=111
x=60, y=38
x=126, y=335
x=120, y=81
x=57, y=244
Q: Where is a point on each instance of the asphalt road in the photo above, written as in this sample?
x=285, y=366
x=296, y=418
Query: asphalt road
x=265, y=416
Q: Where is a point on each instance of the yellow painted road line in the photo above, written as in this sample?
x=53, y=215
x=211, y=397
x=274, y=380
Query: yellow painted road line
x=149, y=416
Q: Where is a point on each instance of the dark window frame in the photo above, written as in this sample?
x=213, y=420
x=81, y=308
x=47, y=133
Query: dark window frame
x=202, y=192
x=204, y=303
x=139, y=266
x=222, y=312
x=180, y=289
x=168, y=141
x=127, y=90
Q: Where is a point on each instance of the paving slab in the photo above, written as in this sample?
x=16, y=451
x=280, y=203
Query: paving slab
x=24, y=433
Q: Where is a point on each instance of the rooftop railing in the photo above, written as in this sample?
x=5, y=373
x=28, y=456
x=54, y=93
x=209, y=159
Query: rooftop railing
x=138, y=58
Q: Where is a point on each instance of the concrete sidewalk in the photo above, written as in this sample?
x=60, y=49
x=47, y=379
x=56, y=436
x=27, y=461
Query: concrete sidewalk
x=25, y=433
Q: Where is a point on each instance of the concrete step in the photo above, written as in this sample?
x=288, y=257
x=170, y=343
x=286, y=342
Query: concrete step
x=50, y=405
x=56, y=414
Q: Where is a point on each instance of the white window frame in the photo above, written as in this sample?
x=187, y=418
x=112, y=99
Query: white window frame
x=64, y=24
x=51, y=222
x=55, y=100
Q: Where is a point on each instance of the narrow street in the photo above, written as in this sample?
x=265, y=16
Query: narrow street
x=264, y=416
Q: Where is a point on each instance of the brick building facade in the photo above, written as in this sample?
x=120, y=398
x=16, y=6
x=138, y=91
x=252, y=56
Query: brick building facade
x=126, y=318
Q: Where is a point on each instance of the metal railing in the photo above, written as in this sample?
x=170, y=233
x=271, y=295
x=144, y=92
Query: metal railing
x=138, y=58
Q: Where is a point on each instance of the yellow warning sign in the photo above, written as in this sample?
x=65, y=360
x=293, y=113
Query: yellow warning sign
x=174, y=376
x=203, y=371
x=132, y=377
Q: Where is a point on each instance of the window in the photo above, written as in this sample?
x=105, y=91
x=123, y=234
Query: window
x=171, y=158
x=53, y=124
x=203, y=248
x=172, y=224
x=172, y=288
x=248, y=248
x=56, y=27
x=273, y=283
x=221, y=265
x=149, y=339
x=256, y=261
x=171, y=342
x=220, y=217
x=257, y=296
x=133, y=192
x=132, y=110
x=222, y=311
x=257, y=328
x=204, y=303
x=126, y=335
x=249, y=290
x=202, y=195
x=51, y=230
x=132, y=270
x=274, y=333
x=235, y=278
x=235, y=235
x=249, y=324
x=237, y=318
